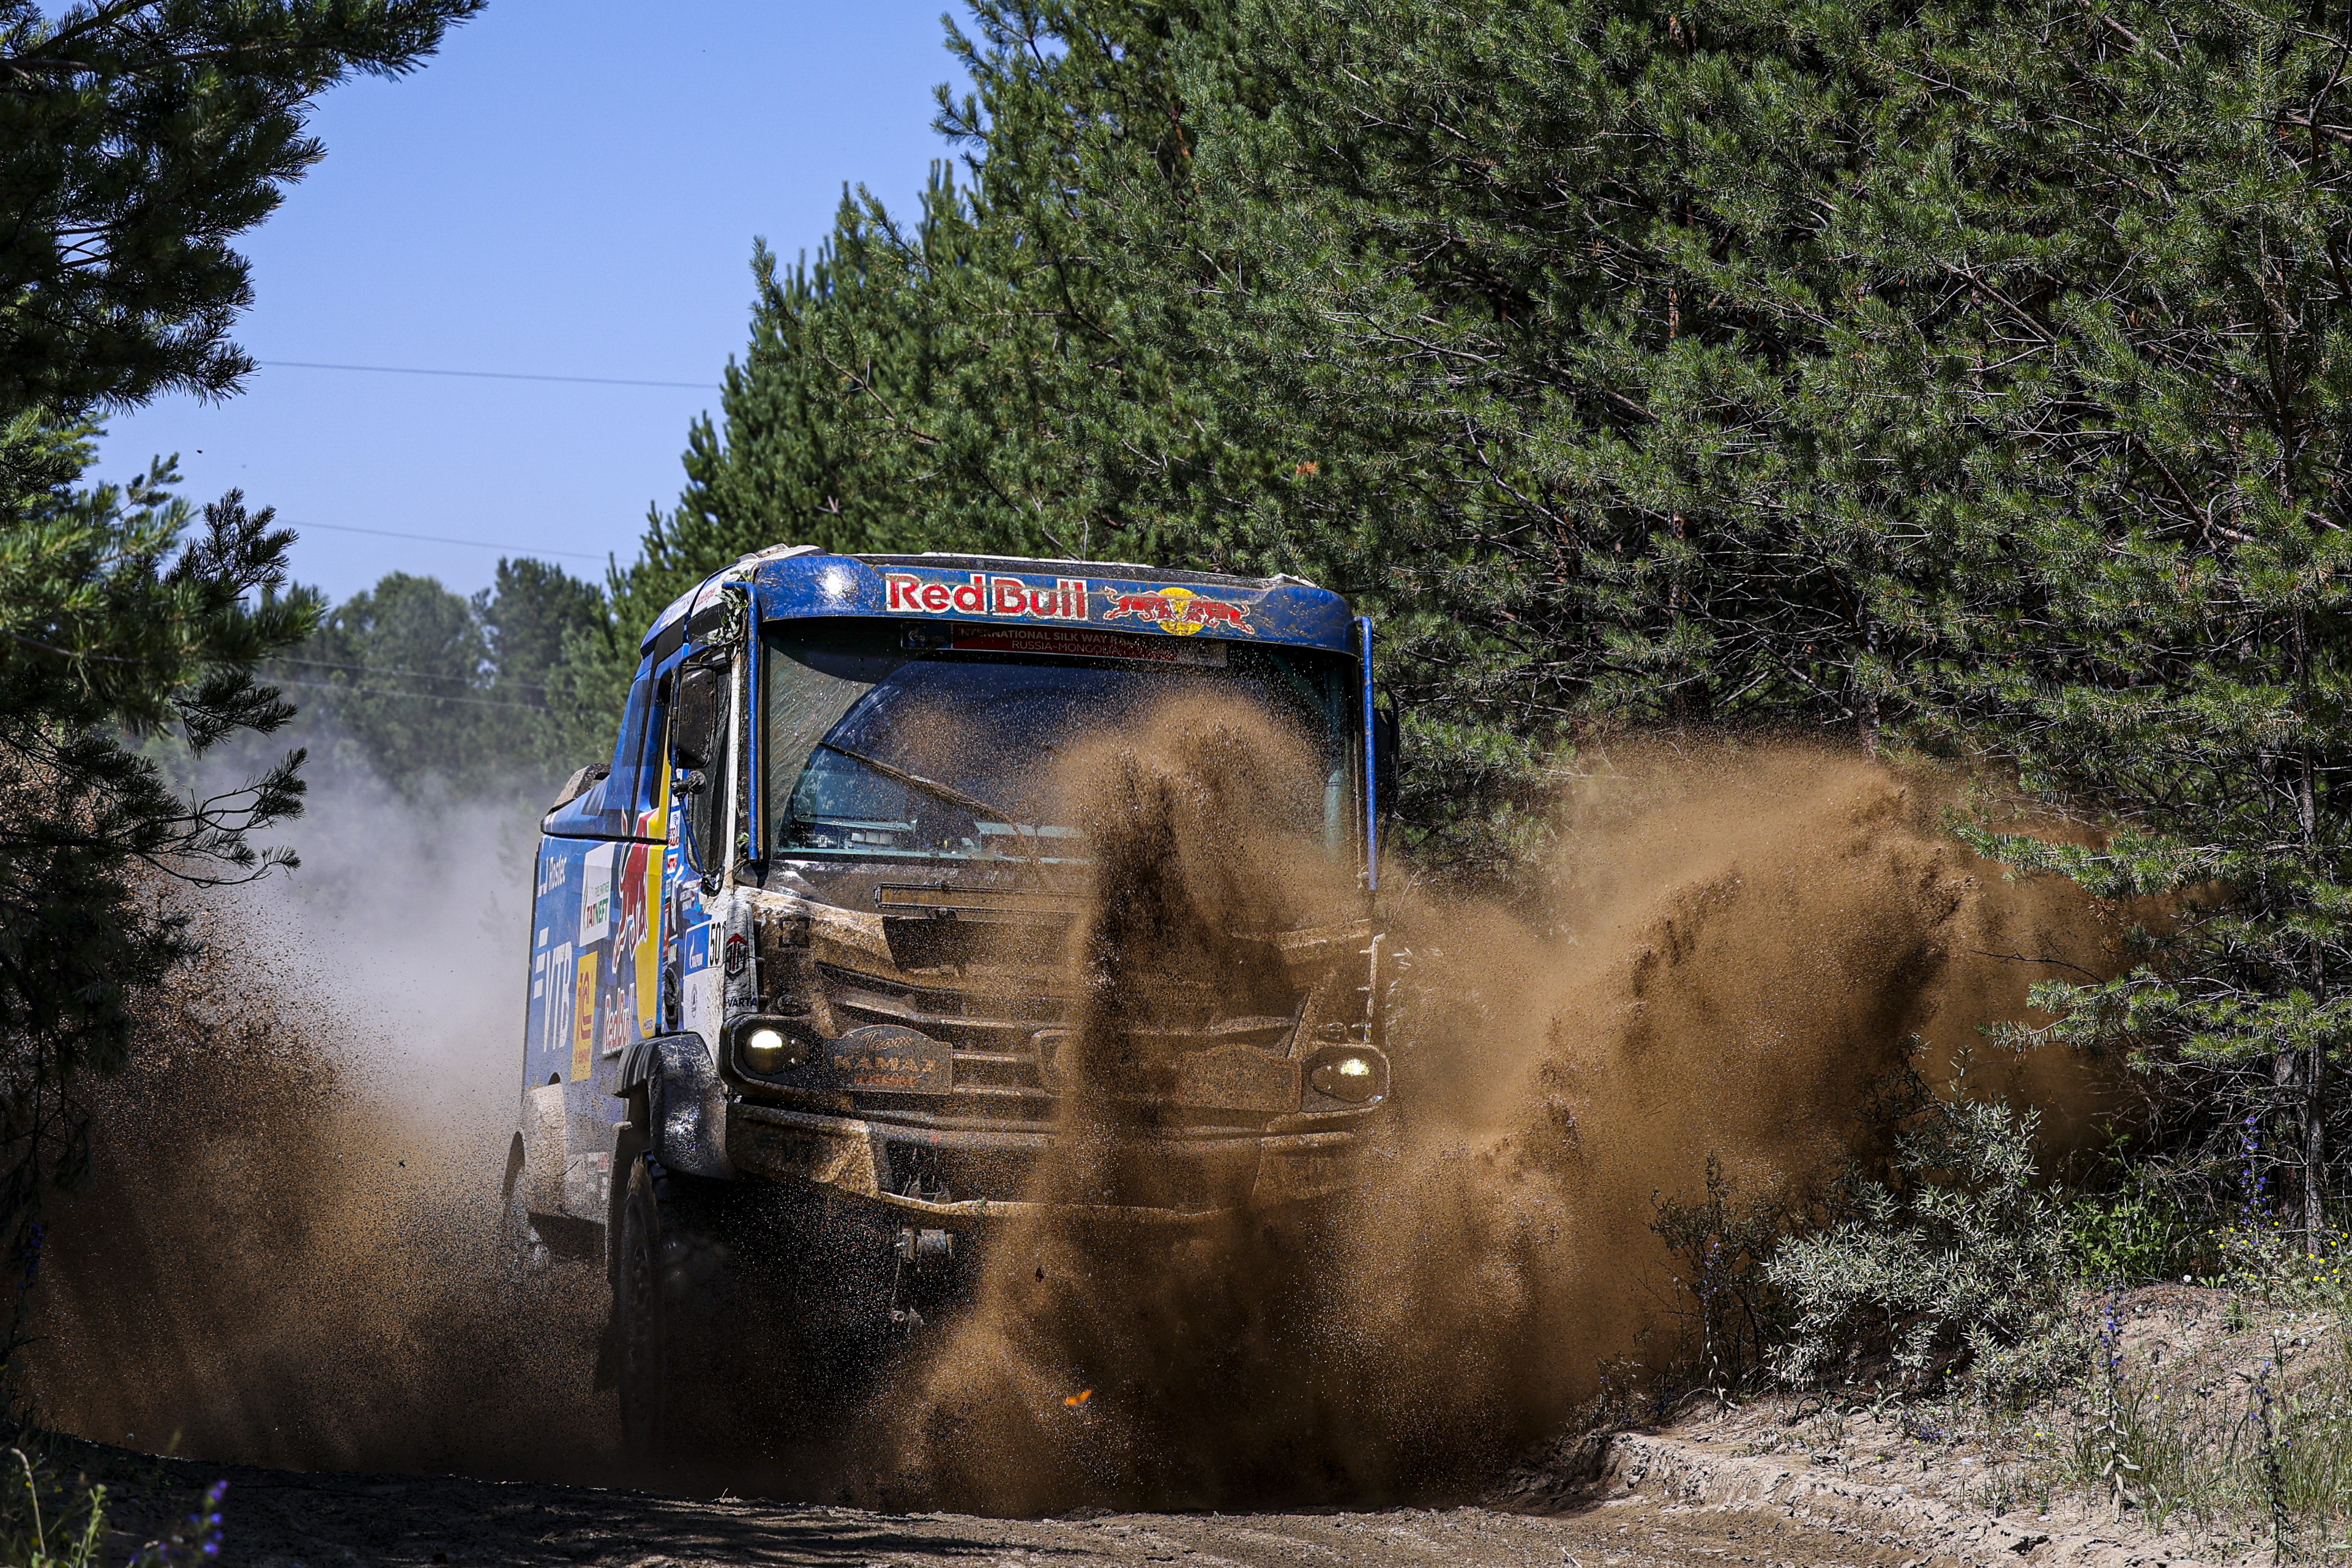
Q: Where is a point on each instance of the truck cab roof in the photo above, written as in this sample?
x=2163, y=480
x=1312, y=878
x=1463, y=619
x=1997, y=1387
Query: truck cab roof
x=800, y=582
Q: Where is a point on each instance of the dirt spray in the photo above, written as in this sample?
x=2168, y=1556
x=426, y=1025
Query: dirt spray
x=289, y=1255
x=1743, y=943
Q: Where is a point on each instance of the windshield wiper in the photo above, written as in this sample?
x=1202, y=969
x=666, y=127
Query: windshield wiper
x=979, y=808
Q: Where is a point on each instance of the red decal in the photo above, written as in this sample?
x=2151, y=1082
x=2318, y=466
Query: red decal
x=972, y=598
x=1216, y=612
x=1143, y=606
x=904, y=590
x=1178, y=611
x=935, y=596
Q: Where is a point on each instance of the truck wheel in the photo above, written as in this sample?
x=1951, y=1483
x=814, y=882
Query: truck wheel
x=674, y=1297
x=522, y=1252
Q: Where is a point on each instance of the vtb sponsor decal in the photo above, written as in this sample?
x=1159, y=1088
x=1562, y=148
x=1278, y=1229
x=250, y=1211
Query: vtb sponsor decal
x=1177, y=610
x=981, y=595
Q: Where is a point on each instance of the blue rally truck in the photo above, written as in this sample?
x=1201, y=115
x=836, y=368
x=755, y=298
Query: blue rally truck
x=797, y=983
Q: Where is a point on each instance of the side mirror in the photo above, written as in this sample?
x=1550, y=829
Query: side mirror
x=695, y=715
x=1388, y=743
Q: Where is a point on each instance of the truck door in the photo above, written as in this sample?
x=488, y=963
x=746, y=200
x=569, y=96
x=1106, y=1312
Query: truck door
x=596, y=954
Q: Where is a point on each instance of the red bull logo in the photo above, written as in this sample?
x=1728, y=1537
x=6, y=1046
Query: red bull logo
x=1177, y=610
x=981, y=595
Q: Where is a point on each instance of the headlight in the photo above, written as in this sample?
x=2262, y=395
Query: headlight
x=763, y=1050
x=767, y=1046
x=1354, y=1075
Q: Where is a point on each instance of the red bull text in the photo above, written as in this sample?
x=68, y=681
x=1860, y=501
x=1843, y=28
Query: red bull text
x=983, y=594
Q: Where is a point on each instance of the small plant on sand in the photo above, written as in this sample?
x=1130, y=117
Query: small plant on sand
x=1729, y=1311
x=49, y=1520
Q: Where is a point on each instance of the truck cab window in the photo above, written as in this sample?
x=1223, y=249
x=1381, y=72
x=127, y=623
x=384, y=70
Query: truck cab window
x=880, y=750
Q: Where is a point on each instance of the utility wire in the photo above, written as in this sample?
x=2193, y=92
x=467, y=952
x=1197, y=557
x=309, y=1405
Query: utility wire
x=437, y=539
x=485, y=374
x=390, y=669
x=418, y=695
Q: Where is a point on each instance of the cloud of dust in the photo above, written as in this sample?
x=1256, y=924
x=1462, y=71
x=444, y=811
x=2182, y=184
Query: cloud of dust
x=288, y=1256
x=287, y=1253
x=1747, y=942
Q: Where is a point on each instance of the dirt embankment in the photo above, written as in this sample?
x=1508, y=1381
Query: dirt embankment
x=287, y=1258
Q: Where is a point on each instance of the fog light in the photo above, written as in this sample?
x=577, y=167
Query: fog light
x=1348, y=1078
x=766, y=1050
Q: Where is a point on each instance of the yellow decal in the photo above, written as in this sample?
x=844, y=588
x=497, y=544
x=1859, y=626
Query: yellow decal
x=649, y=938
x=584, y=1020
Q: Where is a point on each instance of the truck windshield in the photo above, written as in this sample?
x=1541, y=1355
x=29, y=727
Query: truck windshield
x=876, y=748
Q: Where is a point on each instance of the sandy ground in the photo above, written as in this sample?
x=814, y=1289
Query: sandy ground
x=287, y=1520
x=1698, y=1496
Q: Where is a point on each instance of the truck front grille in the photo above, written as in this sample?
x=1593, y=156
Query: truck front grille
x=991, y=1035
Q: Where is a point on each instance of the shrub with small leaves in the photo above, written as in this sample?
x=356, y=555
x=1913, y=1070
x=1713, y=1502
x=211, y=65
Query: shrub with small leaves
x=1957, y=1265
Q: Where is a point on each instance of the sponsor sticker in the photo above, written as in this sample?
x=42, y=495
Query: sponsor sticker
x=983, y=595
x=1172, y=609
x=596, y=895
x=584, y=1025
x=1176, y=609
x=1069, y=642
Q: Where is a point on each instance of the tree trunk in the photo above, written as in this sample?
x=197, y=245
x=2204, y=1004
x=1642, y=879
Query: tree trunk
x=2314, y=1150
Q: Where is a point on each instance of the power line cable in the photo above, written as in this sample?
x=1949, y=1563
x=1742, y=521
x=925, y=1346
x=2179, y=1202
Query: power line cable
x=416, y=696
x=437, y=539
x=390, y=669
x=485, y=374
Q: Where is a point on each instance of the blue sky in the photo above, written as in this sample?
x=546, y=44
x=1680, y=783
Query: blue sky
x=570, y=188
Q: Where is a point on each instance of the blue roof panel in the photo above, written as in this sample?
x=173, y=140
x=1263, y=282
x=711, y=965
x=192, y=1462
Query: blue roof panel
x=1049, y=593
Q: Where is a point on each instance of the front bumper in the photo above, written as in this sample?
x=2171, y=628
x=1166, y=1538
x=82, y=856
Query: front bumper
x=967, y=1178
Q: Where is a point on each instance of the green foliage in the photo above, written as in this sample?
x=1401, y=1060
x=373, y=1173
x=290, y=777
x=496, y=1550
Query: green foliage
x=1782, y=369
x=50, y=1518
x=1960, y=1263
x=435, y=693
x=141, y=137
x=114, y=624
x=2137, y=1226
x=138, y=137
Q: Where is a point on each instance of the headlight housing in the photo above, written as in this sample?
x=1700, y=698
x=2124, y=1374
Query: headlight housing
x=1352, y=1075
x=766, y=1046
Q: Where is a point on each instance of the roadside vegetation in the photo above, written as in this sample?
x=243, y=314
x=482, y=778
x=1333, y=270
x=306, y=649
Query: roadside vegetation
x=138, y=139
x=2139, y=1345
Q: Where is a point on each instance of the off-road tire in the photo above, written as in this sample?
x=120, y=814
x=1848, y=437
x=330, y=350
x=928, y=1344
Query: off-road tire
x=679, y=1288
x=750, y=1319
x=522, y=1252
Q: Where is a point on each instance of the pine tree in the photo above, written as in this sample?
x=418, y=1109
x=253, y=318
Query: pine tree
x=440, y=696
x=136, y=139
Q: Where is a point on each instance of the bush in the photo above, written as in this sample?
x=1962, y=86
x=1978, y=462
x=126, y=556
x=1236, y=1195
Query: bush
x=1960, y=1262
x=2136, y=1232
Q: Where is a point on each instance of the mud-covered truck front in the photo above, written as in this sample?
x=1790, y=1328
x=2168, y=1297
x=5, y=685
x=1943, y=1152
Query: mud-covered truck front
x=801, y=998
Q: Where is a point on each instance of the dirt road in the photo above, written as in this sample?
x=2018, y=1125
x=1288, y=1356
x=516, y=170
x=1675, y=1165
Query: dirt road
x=277, y=1519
